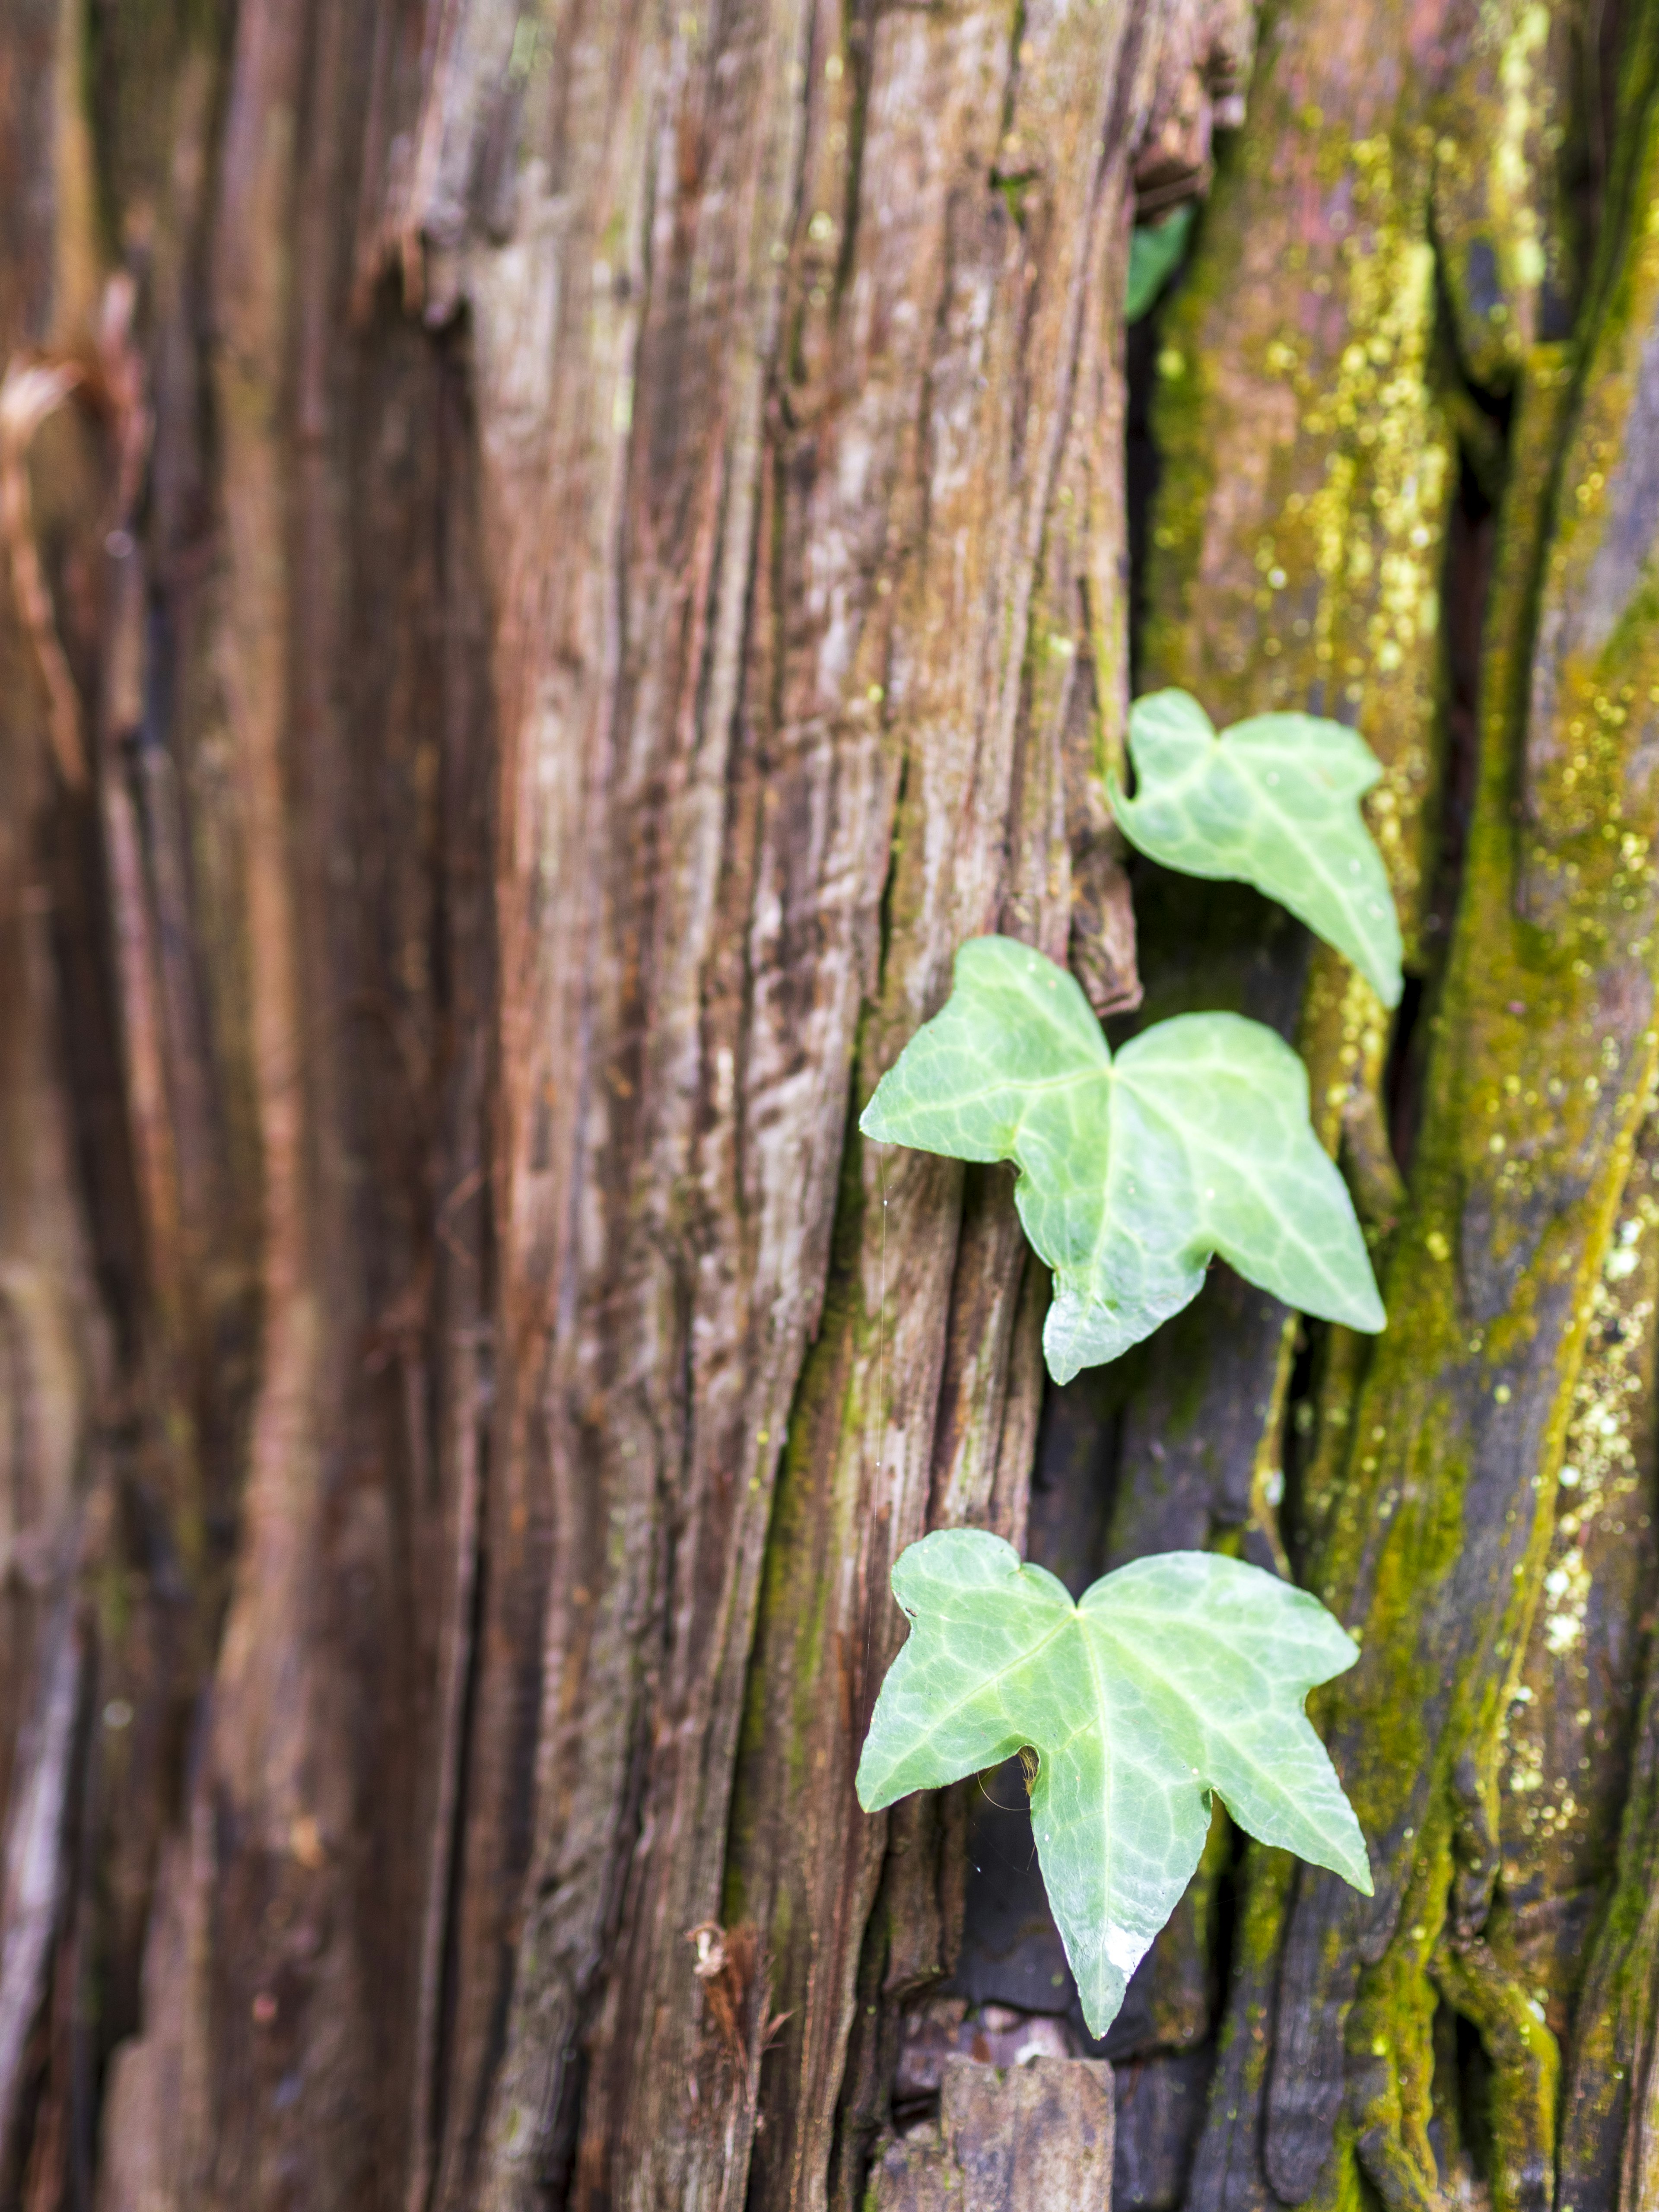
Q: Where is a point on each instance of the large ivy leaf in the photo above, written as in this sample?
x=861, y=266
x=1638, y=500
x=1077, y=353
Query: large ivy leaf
x=1274, y=802
x=1178, y=1675
x=1194, y=1140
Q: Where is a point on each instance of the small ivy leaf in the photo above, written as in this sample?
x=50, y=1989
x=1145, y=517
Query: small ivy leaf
x=1155, y=253
x=1134, y=1172
x=1178, y=1675
x=1273, y=801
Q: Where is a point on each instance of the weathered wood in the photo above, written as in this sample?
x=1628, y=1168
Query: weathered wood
x=1036, y=2137
x=757, y=353
x=632, y=567
x=39, y=1848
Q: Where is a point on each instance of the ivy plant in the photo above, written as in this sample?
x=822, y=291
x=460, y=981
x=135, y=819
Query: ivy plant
x=1156, y=252
x=1273, y=801
x=1180, y=1676
x=1177, y=1678
x=1135, y=1170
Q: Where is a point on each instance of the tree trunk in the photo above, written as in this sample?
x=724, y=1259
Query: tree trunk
x=559, y=561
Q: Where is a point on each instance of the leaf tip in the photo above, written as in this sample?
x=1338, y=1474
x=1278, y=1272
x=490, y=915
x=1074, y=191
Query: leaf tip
x=1065, y=1353
x=1389, y=984
x=1352, y=1863
x=871, y=1788
x=873, y=1121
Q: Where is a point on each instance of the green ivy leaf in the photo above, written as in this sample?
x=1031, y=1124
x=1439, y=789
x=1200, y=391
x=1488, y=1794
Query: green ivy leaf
x=1178, y=1675
x=1274, y=801
x=1134, y=1172
x=1155, y=253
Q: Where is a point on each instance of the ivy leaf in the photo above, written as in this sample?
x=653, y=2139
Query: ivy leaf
x=1274, y=801
x=1194, y=1140
x=1155, y=253
x=1178, y=1675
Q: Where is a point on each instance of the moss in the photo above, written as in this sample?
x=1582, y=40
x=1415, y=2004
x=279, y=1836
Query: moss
x=1391, y=2038
x=1615, y=2021
x=1246, y=2051
x=1012, y=192
x=1266, y=1468
x=1526, y=2070
x=1523, y=1128
x=1341, y=611
x=134, y=59
x=784, y=1675
x=1342, y=1365
x=1349, y=2191
x=1294, y=553
x=1572, y=1699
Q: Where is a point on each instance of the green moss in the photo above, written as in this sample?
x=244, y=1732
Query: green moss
x=1267, y=1890
x=1390, y=2031
x=785, y=1676
x=1295, y=553
x=1525, y=2070
x=1517, y=1081
x=1342, y=612
x=1012, y=191
x=1615, y=2021
x=1517, y=1113
x=134, y=61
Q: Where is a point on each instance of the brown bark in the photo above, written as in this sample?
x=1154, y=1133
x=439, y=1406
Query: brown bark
x=493, y=903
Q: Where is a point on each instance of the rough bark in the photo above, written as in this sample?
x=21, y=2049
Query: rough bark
x=559, y=562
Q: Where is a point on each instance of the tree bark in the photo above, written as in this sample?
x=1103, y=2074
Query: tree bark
x=559, y=562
